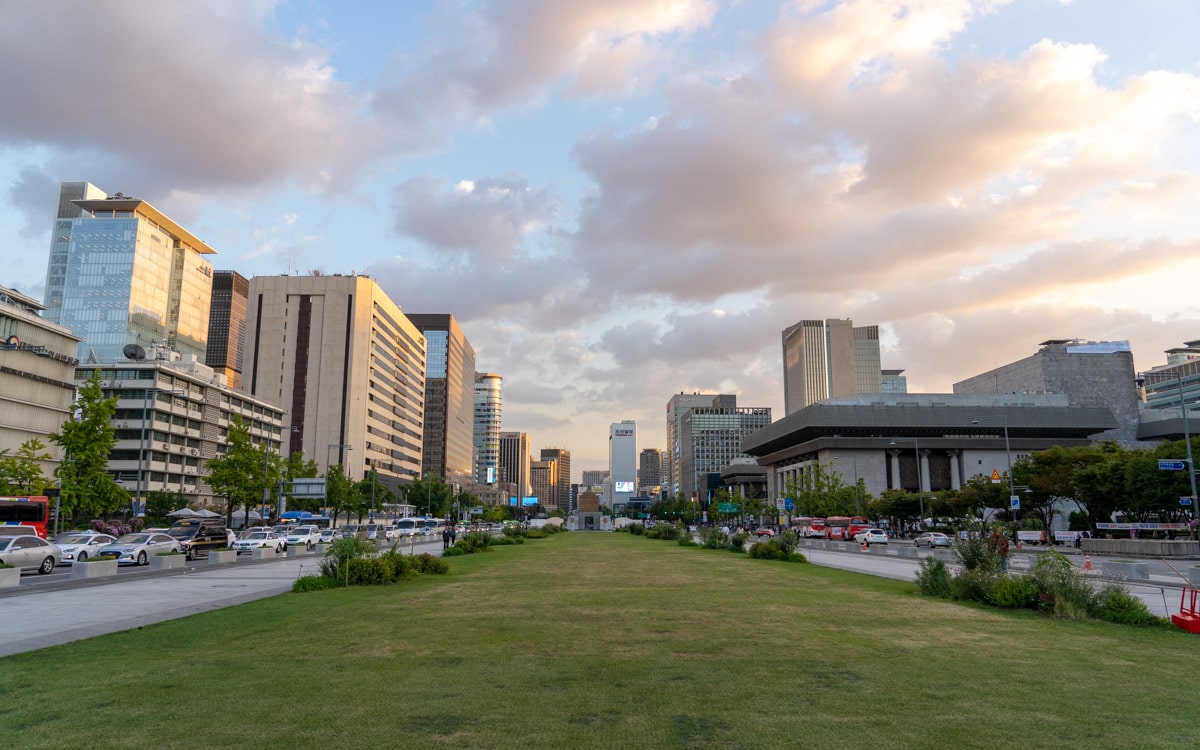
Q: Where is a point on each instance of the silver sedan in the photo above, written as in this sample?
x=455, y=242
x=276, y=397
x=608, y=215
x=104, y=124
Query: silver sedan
x=79, y=547
x=29, y=552
x=135, y=549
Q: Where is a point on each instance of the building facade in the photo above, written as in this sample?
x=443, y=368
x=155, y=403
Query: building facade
x=650, y=471
x=489, y=407
x=543, y=483
x=514, y=461
x=448, y=447
x=37, y=376
x=893, y=381
x=622, y=463
x=226, y=348
x=348, y=368
x=677, y=407
x=594, y=479
x=561, y=491
x=1177, y=382
x=829, y=358
x=121, y=273
x=173, y=415
x=1089, y=373
x=711, y=438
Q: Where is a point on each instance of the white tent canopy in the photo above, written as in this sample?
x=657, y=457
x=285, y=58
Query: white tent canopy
x=183, y=513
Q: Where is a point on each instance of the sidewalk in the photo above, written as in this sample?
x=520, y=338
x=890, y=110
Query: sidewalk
x=37, y=617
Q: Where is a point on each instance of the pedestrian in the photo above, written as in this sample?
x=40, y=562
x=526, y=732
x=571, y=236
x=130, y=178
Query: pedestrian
x=445, y=539
x=1004, y=554
x=453, y=535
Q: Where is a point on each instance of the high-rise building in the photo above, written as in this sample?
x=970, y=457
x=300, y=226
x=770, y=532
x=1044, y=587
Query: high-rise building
x=622, y=463
x=227, y=326
x=650, y=471
x=679, y=405
x=594, y=478
x=543, y=482
x=347, y=366
x=1089, y=374
x=562, y=470
x=514, y=461
x=120, y=273
x=893, y=381
x=488, y=410
x=37, y=370
x=1166, y=386
x=827, y=359
x=711, y=438
x=449, y=441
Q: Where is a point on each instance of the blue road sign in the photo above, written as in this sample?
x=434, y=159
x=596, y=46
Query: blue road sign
x=1014, y=502
x=1185, y=501
x=1167, y=465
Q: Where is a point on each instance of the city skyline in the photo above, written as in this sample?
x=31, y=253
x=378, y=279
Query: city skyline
x=621, y=201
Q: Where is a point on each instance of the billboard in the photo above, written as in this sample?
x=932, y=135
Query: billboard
x=622, y=486
x=529, y=501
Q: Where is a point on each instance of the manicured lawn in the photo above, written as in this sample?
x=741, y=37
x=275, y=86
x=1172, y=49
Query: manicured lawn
x=609, y=640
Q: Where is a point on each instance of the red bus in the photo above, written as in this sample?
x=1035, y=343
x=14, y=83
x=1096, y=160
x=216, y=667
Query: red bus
x=25, y=511
x=816, y=528
x=836, y=527
x=857, y=524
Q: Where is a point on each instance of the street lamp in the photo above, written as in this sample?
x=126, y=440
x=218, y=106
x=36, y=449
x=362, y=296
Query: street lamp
x=1140, y=380
x=854, y=466
x=920, y=479
x=1007, y=454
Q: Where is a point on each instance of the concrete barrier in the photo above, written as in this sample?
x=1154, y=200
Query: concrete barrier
x=1142, y=547
x=168, y=562
x=219, y=556
x=94, y=569
x=263, y=553
x=10, y=578
x=296, y=550
x=1125, y=569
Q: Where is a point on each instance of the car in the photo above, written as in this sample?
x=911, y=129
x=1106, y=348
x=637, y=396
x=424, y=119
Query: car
x=306, y=535
x=260, y=539
x=328, y=535
x=933, y=539
x=764, y=531
x=375, y=531
x=350, y=530
x=871, y=536
x=196, y=535
x=136, y=549
x=29, y=552
x=81, y=545
x=391, y=531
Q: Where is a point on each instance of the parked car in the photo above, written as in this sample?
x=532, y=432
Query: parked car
x=764, y=531
x=328, y=535
x=81, y=546
x=375, y=531
x=196, y=535
x=933, y=539
x=391, y=531
x=871, y=536
x=306, y=535
x=29, y=552
x=136, y=549
x=260, y=539
x=350, y=530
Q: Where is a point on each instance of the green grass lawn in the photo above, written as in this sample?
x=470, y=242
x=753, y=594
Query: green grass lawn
x=610, y=640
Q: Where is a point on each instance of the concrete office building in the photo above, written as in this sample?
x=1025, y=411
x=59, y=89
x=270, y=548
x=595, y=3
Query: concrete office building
x=711, y=438
x=37, y=376
x=1089, y=373
x=121, y=272
x=226, y=348
x=514, y=461
x=650, y=471
x=173, y=415
x=488, y=411
x=448, y=447
x=893, y=381
x=1178, y=381
x=925, y=442
x=677, y=406
x=622, y=463
x=827, y=359
x=561, y=491
x=543, y=483
x=347, y=366
x=594, y=479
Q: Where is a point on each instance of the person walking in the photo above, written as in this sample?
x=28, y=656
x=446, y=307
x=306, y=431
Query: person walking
x=445, y=539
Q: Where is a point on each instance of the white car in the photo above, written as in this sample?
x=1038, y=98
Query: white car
x=328, y=535
x=28, y=552
x=136, y=549
x=260, y=539
x=871, y=536
x=391, y=531
x=306, y=535
x=81, y=546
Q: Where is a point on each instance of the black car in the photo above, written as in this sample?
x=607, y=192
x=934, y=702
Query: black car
x=197, y=535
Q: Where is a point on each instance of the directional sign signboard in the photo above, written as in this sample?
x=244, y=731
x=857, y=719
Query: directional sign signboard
x=1167, y=465
x=727, y=507
x=1185, y=501
x=1014, y=502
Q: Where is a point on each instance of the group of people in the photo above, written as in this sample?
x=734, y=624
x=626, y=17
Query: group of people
x=449, y=534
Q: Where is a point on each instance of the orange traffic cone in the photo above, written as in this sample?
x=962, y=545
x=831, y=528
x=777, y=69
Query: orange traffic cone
x=1087, y=562
x=866, y=547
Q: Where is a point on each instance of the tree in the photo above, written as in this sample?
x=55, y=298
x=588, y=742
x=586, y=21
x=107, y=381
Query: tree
x=431, y=493
x=340, y=495
x=160, y=504
x=244, y=474
x=21, y=473
x=87, y=439
x=371, y=494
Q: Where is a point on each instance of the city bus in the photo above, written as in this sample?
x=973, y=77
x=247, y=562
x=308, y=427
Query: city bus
x=836, y=527
x=857, y=524
x=26, y=511
x=816, y=528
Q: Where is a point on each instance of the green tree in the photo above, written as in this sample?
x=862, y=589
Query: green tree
x=160, y=504
x=21, y=472
x=340, y=494
x=372, y=495
x=87, y=439
x=431, y=496
x=244, y=474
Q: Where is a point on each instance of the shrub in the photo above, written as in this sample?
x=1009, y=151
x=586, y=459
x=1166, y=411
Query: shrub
x=788, y=540
x=505, y=540
x=685, y=540
x=535, y=534
x=973, y=585
x=314, y=583
x=666, y=531
x=1117, y=605
x=766, y=551
x=403, y=568
x=713, y=538
x=455, y=552
x=636, y=529
x=476, y=541
x=736, y=542
x=1062, y=593
x=797, y=557
x=427, y=563
x=1015, y=592
x=933, y=579
x=370, y=571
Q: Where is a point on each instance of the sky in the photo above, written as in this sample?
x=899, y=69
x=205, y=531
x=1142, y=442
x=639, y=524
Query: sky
x=621, y=200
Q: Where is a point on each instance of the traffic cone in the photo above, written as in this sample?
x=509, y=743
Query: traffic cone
x=1087, y=561
x=866, y=547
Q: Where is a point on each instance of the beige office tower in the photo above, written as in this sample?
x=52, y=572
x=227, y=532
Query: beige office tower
x=828, y=359
x=561, y=491
x=514, y=461
x=346, y=365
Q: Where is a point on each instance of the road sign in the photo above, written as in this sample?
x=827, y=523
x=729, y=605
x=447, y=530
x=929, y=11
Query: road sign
x=1166, y=465
x=1185, y=501
x=995, y=476
x=1014, y=502
x=789, y=503
x=727, y=507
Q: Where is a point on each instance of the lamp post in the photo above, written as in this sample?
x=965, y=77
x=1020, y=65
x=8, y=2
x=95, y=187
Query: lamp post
x=920, y=479
x=854, y=466
x=1187, y=433
x=1007, y=455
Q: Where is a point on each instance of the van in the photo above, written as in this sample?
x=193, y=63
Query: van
x=196, y=535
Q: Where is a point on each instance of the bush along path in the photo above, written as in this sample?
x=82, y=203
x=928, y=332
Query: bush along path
x=356, y=562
